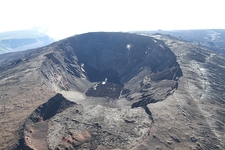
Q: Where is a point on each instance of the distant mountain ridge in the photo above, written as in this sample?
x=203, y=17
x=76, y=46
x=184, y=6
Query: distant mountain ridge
x=211, y=38
x=22, y=40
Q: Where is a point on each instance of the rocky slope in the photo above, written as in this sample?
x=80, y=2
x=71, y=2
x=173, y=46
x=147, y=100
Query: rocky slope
x=118, y=91
x=196, y=110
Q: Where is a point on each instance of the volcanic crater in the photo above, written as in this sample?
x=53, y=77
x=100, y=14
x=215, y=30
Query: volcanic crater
x=105, y=74
x=118, y=62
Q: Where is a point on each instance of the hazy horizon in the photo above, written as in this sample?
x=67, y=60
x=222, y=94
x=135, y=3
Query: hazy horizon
x=60, y=19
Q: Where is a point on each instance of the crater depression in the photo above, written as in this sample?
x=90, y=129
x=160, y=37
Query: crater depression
x=114, y=65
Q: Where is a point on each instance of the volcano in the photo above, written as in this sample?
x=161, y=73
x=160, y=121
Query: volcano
x=113, y=90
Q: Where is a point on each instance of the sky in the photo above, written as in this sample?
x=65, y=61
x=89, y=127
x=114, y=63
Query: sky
x=63, y=18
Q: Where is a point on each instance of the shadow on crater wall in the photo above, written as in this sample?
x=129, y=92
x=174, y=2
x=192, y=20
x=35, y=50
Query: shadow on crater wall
x=119, y=57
